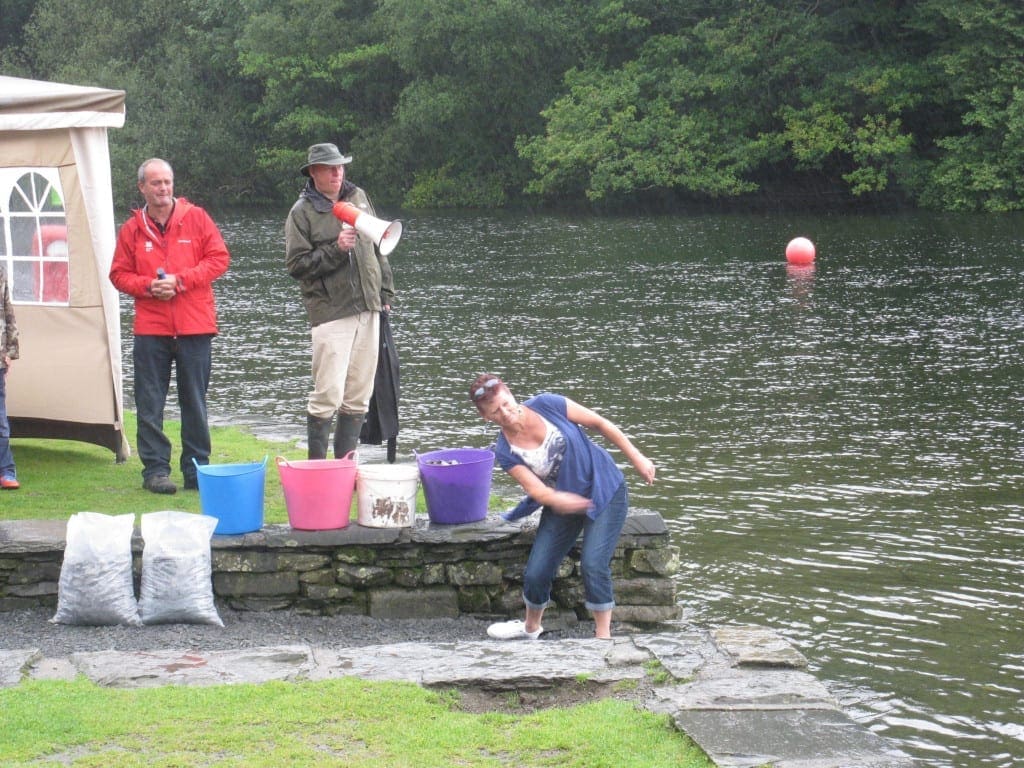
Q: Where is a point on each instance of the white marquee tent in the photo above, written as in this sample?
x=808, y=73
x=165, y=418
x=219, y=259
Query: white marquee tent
x=57, y=236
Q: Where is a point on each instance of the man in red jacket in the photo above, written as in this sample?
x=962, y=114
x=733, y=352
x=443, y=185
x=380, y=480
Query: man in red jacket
x=168, y=254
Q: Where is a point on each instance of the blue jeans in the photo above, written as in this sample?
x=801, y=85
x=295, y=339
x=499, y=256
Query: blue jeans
x=153, y=357
x=6, y=457
x=556, y=535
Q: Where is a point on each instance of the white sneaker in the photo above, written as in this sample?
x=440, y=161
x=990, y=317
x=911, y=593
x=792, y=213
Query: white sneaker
x=512, y=630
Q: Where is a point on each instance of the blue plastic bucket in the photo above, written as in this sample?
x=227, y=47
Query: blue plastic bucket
x=232, y=493
x=456, y=484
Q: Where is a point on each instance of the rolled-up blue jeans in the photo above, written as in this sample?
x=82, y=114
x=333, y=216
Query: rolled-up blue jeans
x=556, y=535
x=153, y=357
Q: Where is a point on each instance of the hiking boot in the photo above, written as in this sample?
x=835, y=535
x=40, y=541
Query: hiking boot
x=159, y=484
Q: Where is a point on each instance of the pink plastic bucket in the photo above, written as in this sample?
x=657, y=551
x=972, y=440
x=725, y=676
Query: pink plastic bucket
x=456, y=484
x=318, y=492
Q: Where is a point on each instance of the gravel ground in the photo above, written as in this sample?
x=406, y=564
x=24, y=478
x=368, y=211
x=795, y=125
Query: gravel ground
x=242, y=629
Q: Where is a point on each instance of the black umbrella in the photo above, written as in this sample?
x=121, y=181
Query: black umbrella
x=382, y=419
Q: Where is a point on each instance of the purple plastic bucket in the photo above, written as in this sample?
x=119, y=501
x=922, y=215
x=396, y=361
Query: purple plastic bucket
x=456, y=484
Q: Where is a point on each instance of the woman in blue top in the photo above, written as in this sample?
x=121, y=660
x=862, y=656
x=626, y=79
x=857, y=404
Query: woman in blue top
x=543, y=446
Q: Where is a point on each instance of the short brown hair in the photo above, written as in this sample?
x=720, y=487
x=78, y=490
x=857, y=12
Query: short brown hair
x=485, y=387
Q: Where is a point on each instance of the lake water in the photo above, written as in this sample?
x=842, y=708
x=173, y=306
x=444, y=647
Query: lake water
x=839, y=449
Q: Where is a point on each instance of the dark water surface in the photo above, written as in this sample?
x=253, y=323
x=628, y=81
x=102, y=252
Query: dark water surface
x=840, y=451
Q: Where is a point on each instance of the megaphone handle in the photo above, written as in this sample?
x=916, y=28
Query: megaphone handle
x=343, y=234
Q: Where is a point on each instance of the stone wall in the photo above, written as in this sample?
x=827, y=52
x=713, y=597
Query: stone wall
x=427, y=570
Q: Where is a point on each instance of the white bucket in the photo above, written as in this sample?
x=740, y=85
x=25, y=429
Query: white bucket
x=387, y=494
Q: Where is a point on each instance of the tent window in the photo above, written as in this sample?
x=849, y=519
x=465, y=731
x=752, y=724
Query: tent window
x=34, y=246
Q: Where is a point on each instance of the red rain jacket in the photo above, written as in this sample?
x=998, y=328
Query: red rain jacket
x=192, y=249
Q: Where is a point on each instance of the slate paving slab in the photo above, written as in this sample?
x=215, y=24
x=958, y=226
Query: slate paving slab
x=791, y=738
x=737, y=689
x=482, y=664
x=13, y=664
x=144, y=669
x=753, y=645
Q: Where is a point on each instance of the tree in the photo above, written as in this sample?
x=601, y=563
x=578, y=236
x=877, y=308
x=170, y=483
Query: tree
x=325, y=76
x=976, y=163
x=15, y=14
x=750, y=94
x=477, y=76
x=460, y=103
x=185, y=100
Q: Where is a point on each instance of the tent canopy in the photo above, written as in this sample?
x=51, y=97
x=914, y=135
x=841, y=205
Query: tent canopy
x=57, y=237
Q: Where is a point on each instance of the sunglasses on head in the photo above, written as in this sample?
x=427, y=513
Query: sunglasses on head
x=479, y=392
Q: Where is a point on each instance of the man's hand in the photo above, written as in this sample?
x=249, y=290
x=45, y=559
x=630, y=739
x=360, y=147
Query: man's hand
x=347, y=238
x=164, y=288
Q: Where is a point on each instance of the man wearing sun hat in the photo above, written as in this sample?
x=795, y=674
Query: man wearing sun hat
x=345, y=283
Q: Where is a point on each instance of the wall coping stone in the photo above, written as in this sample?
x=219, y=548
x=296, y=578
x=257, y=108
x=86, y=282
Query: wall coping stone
x=29, y=536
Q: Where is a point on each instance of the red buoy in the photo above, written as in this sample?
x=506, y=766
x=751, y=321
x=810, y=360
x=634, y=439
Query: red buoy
x=800, y=251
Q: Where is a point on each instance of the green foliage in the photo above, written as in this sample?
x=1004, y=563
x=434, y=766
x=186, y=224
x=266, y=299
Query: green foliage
x=15, y=14
x=977, y=165
x=325, y=76
x=438, y=187
x=682, y=115
x=878, y=145
x=477, y=76
x=715, y=107
x=463, y=104
x=185, y=100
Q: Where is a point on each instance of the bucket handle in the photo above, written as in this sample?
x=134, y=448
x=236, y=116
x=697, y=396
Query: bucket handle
x=281, y=460
x=198, y=465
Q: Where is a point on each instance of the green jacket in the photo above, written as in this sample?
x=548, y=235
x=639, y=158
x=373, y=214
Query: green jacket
x=334, y=284
x=8, y=325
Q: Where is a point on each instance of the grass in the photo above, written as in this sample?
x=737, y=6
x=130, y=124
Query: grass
x=345, y=722
x=657, y=672
x=348, y=722
x=61, y=477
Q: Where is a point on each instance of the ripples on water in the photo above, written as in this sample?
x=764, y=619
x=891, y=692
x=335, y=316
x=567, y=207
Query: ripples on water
x=839, y=448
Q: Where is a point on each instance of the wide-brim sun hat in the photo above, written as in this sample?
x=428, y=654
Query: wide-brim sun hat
x=324, y=154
